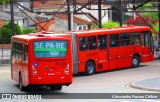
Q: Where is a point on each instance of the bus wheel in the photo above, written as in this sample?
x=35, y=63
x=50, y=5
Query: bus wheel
x=21, y=87
x=135, y=61
x=59, y=87
x=56, y=87
x=52, y=87
x=90, y=68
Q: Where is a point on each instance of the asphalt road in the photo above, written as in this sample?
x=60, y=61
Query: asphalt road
x=116, y=81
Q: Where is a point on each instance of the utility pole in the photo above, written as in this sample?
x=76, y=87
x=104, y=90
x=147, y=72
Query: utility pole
x=99, y=14
x=69, y=15
x=12, y=16
x=72, y=17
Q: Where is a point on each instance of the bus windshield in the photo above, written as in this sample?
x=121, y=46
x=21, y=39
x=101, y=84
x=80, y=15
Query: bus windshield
x=50, y=49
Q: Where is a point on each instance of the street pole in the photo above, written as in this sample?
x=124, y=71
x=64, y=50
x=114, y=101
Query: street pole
x=99, y=14
x=12, y=16
x=69, y=15
x=120, y=21
x=72, y=18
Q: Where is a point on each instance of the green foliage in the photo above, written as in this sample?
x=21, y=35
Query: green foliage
x=28, y=30
x=153, y=15
x=156, y=28
x=110, y=24
x=6, y=33
x=4, y=2
x=144, y=7
x=17, y=29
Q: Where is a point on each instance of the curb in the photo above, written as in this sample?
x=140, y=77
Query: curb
x=143, y=88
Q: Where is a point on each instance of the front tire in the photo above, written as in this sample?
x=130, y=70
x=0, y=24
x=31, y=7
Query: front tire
x=135, y=61
x=90, y=68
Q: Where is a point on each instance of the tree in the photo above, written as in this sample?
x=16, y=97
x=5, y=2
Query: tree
x=6, y=33
x=144, y=7
x=109, y=24
x=4, y=2
x=144, y=21
x=17, y=29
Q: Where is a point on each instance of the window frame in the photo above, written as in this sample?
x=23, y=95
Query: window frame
x=106, y=42
x=135, y=34
x=25, y=56
x=122, y=39
x=144, y=38
x=80, y=43
x=114, y=40
x=89, y=48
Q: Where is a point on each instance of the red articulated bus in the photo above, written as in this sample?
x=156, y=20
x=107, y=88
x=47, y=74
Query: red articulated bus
x=39, y=59
x=108, y=49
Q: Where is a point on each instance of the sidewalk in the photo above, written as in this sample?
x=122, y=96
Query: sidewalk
x=152, y=84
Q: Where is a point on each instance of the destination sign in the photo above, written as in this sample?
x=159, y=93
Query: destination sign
x=52, y=48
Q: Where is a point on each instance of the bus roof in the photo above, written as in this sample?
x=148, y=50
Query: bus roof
x=39, y=35
x=110, y=30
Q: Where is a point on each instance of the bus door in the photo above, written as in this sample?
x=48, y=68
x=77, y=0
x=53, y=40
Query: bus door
x=103, y=52
x=93, y=51
x=146, y=46
x=115, y=52
x=25, y=63
x=82, y=53
x=126, y=49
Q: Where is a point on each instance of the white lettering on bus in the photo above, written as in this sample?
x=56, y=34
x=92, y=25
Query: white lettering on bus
x=62, y=45
x=41, y=45
x=49, y=45
x=37, y=45
x=58, y=45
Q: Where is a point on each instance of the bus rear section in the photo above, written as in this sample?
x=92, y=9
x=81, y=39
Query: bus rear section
x=49, y=63
x=109, y=49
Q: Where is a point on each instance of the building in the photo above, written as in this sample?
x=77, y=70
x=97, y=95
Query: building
x=60, y=24
x=19, y=18
x=4, y=16
x=61, y=6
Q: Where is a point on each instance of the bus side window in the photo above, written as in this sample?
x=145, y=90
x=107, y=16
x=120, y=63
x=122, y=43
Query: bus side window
x=145, y=38
x=83, y=43
x=20, y=51
x=135, y=38
x=13, y=49
x=92, y=42
x=125, y=39
x=16, y=49
x=102, y=42
x=26, y=53
x=114, y=40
